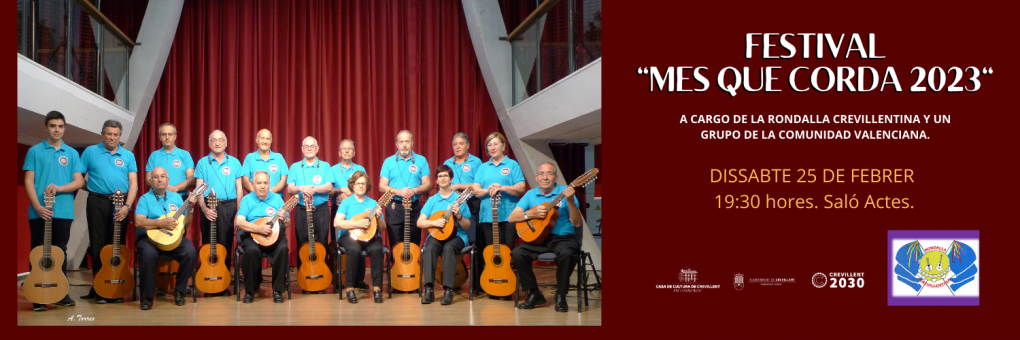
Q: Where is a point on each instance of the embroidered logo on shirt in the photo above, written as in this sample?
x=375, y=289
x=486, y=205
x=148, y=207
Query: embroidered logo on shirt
x=272, y=168
x=177, y=163
x=413, y=168
x=368, y=210
x=270, y=211
x=62, y=160
x=317, y=179
x=226, y=170
x=119, y=162
x=505, y=171
x=466, y=167
x=173, y=207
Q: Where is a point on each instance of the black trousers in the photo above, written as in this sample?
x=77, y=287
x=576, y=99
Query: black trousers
x=225, y=213
x=251, y=263
x=320, y=221
x=395, y=223
x=448, y=249
x=148, y=256
x=99, y=214
x=59, y=233
x=375, y=252
x=361, y=259
x=565, y=247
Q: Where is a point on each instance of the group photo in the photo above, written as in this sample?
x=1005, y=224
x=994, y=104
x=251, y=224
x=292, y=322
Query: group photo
x=299, y=162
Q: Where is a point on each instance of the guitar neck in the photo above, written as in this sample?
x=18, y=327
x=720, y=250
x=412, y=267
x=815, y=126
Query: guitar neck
x=116, y=232
x=407, y=230
x=212, y=237
x=495, y=230
x=460, y=200
x=311, y=230
x=48, y=236
x=184, y=207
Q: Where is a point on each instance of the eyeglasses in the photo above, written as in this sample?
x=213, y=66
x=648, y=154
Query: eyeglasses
x=309, y=147
x=442, y=175
x=217, y=140
x=360, y=184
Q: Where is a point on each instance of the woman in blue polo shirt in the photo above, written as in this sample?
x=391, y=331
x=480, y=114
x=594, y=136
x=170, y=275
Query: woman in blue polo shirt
x=447, y=248
x=360, y=184
x=500, y=175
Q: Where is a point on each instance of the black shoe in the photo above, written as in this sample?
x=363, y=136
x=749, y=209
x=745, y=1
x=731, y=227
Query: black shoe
x=249, y=297
x=428, y=296
x=361, y=285
x=447, y=297
x=38, y=307
x=277, y=297
x=378, y=296
x=534, y=300
x=92, y=295
x=100, y=300
x=503, y=298
x=146, y=304
x=117, y=300
x=352, y=297
x=178, y=298
x=561, y=303
x=66, y=302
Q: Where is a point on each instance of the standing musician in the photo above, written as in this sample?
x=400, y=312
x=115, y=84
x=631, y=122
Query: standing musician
x=342, y=171
x=407, y=174
x=52, y=167
x=155, y=203
x=266, y=160
x=358, y=203
x=223, y=174
x=255, y=205
x=312, y=178
x=560, y=241
x=499, y=175
x=178, y=164
x=466, y=166
x=449, y=247
x=108, y=167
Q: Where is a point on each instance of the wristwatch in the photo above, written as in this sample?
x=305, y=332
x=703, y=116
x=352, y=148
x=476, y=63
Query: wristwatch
x=525, y=214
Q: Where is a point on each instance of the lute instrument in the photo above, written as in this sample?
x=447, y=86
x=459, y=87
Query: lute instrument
x=450, y=228
x=274, y=222
x=168, y=240
x=535, y=230
x=365, y=235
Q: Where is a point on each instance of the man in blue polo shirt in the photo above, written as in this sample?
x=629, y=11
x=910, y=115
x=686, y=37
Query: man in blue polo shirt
x=255, y=205
x=223, y=173
x=266, y=160
x=448, y=248
x=53, y=168
x=465, y=165
x=155, y=203
x=108, y=168
x=177, y=163
x=560, y=240
x=407, y=174
x=342, y=171
x=313, y=179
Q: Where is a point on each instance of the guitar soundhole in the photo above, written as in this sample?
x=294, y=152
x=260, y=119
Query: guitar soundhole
x=497, y=260
x=213, y=259
x=115, y=261
x=312, y=257
x=46, y=263
x=406, y=258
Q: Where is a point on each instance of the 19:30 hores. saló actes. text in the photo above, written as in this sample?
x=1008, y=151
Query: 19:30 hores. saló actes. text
x=830, y=201
x=842, y=201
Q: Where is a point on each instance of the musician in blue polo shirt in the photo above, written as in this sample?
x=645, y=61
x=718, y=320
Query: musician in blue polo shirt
x=223, y=174
x=407, y=174
x=360, y=184
x=266, y=160
x=179, y=165
x=449, y=248
x=155, y=203
x=342, y=171
x=255, y=205
x=560, y=240
x=312, y=178
x=499, y=175
x=108, y=168
x=52, y=167
x=465, y=165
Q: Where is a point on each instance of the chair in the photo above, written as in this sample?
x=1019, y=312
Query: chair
x=341, y=251
x=162, y=257
x=238, y=251
x=470, y=249
x=582, y=275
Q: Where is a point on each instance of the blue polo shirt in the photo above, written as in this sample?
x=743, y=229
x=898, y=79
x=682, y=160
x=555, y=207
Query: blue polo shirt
x=153, y=206
x=535, y=197
x=350, y=207
x=220, y=176
x=507, y=173
x=252, y=208
x=341, y=174
x=276, y=166
x=438, y=203
x=108, y=171
x=405, y=173
x=464, y=172
x=53, y=166
x=319, y=173
x=176, y=163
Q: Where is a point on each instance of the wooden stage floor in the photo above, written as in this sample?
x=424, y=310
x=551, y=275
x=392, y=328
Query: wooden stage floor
x=312, y=309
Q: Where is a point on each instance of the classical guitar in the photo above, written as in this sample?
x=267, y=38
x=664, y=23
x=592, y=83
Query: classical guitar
x=274, y=222
x=115, y=279
x=404, y=274
x=461, y=276
x=535, y=230
x=213, y=275
x=46, y=282
x=168, y=240
x=450, y=227
x=313, y=275
x=498, y=278
x=367, y=234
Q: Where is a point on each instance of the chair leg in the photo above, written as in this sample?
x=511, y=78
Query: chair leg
x=386, y=272
x=288, y=282
x=471, y=279
x=237, y=279
x=339, y=278
x=580, y=277
x=517, y=292
x=134, y=264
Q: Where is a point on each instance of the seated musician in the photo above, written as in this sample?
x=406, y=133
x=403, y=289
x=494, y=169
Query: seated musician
x=255, y=205
x=151, y=206
x=358, y=203
x=449, y=247
x=560, y=241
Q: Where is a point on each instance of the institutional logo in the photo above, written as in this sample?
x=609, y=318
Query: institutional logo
x=505, y=171
x=62, y=160
x=317, y=179
x=819, y=280
x=226, y=170
x=688, y=283
x=119, y=162
x=466, y=167
x=272, y=168
x=933, y=267
x=413, y=168
x=270, y=211
x=687, y=275
x=173, y=207
x=177, y=163
x=738, y=281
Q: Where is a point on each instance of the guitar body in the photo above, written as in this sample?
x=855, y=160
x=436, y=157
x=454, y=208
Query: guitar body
x=46, y=282
x=461, y=276
x=115, y=279
x=542, y=227
x=314, y=275
x=364, y=235
x=404, y=274
x=167, y=240
x=498, y=278
x=213, y=275
x=266, y=241
x=166, y=274
x=442, y=233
